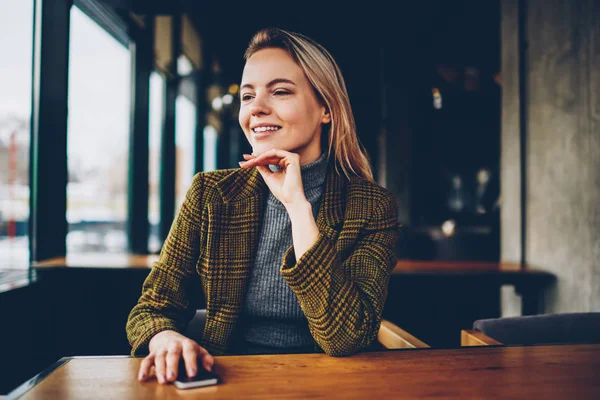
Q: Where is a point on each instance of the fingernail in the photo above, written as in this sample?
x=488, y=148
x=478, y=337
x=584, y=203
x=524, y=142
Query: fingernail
x=142, y=376
x=191, y=373
x=161, y=379
x=170, y=375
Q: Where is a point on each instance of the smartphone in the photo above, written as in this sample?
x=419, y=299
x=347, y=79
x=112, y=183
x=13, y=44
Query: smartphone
x=202, y=378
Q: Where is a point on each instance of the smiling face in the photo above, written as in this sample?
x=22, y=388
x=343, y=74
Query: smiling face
x=279, y=108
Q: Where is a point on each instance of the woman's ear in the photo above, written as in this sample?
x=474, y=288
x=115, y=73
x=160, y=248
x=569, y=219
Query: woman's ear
x=326, y=118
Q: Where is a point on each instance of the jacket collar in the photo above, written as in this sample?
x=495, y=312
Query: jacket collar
x=246, y=184
x=241, y=185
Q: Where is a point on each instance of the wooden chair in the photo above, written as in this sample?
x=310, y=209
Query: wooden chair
x=475, y=338
x=389, y=336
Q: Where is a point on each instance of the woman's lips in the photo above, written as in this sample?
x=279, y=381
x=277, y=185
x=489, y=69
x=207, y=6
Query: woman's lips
x=264, y=135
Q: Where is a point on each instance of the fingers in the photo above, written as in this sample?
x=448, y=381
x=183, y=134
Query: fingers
x=166, y=362
x=173, y=357
x=160, y=366
x=264, y=171
x=274, y=157
x=190, y=358
x=207, y=359
x=145, y=367
x=172, y=352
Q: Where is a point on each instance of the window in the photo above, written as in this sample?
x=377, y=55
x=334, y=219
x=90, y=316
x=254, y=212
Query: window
x=98, y=138
x=210, y=137
x=156, y=118
x=16, y=33
x=185, y=132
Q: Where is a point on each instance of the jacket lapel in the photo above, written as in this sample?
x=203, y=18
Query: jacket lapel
x=232, y=234
x=331, y=213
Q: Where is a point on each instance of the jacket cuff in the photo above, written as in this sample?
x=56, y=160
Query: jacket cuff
x=140, y=346
x=312, y=268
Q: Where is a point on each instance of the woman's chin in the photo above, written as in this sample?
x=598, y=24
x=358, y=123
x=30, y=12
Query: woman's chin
x=260, y=148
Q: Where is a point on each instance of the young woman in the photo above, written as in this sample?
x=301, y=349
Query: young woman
x=293, y=250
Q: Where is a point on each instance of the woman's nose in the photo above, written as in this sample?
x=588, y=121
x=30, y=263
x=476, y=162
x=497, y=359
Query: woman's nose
x=259, y=106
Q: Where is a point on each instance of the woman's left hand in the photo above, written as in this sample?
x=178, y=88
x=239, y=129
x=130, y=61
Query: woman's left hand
x=285, y=184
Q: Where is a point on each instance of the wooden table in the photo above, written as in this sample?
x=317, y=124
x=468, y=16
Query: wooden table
x=534, y=372
x=99, y=260
x=432, y=300
x=529, y=282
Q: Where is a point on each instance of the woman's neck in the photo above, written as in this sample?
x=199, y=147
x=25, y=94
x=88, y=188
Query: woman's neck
x=311, y=153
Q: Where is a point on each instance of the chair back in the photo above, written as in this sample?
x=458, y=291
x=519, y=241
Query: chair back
x=195, y=328
x=543, y=329
x=391, y=336
x=476, y=338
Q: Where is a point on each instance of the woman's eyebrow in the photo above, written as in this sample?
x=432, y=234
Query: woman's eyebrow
x=271, y=83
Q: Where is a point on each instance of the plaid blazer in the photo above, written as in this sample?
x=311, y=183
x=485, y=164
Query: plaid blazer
x=341, y=281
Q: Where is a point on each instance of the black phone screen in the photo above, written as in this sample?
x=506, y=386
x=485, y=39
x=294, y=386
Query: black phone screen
x=202, y=378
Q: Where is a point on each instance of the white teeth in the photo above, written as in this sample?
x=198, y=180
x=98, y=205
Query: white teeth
x=265, y=128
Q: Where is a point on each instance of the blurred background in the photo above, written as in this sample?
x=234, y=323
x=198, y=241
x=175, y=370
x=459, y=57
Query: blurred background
x=424, y=85
x=481, y=117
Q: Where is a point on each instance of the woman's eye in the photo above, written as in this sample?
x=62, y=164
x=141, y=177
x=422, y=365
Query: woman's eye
x=281, y=92
x=246, y=97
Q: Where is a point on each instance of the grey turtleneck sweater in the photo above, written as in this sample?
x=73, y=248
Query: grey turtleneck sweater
x=272, y=320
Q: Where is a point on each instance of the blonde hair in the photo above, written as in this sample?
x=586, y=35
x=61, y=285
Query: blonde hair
x=326, y=78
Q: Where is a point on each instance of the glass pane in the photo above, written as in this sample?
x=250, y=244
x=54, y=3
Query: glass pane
x=98, y=138
x=209, y=162
x=185, y=131
x=16, y=27
x=156, y=118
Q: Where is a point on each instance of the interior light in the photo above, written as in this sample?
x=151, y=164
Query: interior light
x=233, y=89
x=217, y=104
x=184, y=65
x=449, y=228
x=437, y=98
x=227, y=99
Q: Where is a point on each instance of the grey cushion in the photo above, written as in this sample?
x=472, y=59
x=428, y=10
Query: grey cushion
x=543, y=329
x=195, y=328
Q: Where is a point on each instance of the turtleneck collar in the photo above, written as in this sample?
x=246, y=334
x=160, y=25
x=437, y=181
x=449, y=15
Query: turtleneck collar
x=313, y=174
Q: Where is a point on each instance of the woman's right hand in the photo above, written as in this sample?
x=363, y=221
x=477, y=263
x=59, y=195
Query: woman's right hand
x=166, y=349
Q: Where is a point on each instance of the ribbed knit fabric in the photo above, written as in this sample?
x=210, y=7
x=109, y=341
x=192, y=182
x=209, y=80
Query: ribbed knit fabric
x=272, y=320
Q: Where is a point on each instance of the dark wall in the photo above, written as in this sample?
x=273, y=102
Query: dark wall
x=24, y=337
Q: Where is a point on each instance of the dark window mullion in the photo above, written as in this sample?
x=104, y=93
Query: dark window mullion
x=138, y=185
x=203, y=78
x=48, y=204
x=201, y=109
x=168, y=149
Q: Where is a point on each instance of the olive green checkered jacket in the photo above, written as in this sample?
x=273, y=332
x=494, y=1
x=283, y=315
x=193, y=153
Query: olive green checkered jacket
x=341, y=281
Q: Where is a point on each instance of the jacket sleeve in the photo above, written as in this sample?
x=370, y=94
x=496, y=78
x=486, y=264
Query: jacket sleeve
x=167, y=293
x=343, y=299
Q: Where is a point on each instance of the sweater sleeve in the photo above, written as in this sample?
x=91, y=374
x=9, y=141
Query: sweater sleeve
x=166, y=300
x=343, y=299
